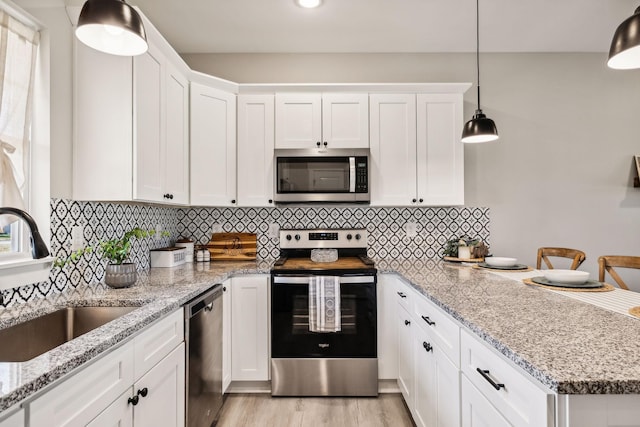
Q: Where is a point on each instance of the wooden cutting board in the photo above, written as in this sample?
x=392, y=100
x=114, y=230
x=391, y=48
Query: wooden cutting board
x=232, y=246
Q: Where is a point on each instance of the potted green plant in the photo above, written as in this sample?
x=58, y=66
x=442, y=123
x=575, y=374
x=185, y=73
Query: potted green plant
x=465, y=247
x=118, y=273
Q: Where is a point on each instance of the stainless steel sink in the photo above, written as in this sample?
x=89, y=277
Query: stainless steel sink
x=30, y=339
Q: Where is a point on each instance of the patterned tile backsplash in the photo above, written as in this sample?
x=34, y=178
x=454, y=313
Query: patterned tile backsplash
x=110, y=220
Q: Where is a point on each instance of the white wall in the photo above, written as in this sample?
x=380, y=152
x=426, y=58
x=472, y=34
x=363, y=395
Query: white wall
x=561, y=173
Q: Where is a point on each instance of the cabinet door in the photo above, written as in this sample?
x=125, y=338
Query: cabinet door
x=345, y=120
x=15, y=420
x=255, y=150
x=437, y=384
x=476, y=409
x=440, y=153
x=176, y=151
x=102, y=124
x=250, y=328
x=393, y=150
x=298, y=120
x=226, y=334
x=387, y=327
x=82, y=397
x=148, y=84
x=162, y=394
x=213, y=147
x=118, y=414
x=405, y=356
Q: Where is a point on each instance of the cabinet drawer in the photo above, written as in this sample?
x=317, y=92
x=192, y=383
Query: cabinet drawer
x=520, y=400
x=443, y=330
x=405, y=296
x=157, y=341
x=84, y=395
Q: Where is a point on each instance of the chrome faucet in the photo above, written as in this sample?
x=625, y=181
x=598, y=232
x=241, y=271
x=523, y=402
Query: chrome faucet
x=38, y=247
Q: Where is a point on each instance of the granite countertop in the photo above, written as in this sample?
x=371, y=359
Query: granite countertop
x=568, y=345
x=158, y=292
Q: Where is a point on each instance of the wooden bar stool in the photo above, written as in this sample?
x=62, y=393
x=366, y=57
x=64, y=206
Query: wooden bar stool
x=607, y=262
x=543, y=254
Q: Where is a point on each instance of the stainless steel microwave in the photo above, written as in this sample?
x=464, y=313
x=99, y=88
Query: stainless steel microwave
x=322, y=175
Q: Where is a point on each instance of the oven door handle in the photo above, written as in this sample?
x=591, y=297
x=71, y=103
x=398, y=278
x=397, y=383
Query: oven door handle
x=304, y=280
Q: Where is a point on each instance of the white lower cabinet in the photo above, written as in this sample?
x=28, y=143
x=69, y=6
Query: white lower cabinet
x=387, y=337
x=476, y=409
x=437, y=384
x=113, y=391
x=14, y=420
x=250, y=328
x=405, y=356
x=226, y=335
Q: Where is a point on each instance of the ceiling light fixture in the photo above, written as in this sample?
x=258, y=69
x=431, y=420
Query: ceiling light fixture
x=309, y=4
x=624, y=53
x=112, y=26
x=480, y=128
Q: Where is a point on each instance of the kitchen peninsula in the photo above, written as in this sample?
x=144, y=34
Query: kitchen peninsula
x=571, y=348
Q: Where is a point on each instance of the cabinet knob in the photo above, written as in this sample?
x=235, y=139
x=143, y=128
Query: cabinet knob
x=143, y=392
x=318, y=144
x=427, y=346
x=413, y=200
x=270, y=201
x=133, y=400
x=233, y=202
x=325, y=143
x=166, y=195
x=421, y=200
x=171, y=196
x=407, y=323
x=224, y=289
x=402, y=294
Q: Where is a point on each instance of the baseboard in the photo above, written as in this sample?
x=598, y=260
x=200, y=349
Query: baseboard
x=384, y=386
x=388, y=386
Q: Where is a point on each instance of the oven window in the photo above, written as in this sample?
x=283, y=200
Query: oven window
x=313, y=175
x=290, y=334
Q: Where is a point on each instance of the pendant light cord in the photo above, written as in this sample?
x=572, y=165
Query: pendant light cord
x=478, y=48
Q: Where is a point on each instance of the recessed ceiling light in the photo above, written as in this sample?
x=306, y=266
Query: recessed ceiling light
x=309, y=4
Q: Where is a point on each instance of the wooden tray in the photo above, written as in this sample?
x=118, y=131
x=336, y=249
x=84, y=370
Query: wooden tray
x=454, y=259
x=233, y=246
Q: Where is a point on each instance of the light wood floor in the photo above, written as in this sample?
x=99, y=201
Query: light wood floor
x=249, y=410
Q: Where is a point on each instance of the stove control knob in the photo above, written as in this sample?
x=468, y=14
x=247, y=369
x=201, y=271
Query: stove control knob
x=349, y=237
x=297, y=237
x=358, y=236
x=288, y=236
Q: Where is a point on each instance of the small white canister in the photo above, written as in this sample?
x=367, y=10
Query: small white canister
x=188, y=245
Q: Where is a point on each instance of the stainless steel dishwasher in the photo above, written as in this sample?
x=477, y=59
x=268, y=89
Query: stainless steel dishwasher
x=203, y=333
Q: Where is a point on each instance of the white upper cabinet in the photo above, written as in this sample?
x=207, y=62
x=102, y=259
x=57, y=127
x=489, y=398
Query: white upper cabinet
x=393, y=149
x=131, y=139
x=102, y=125
x=255, y=150
x=440, y=153
x=416, y=154
x=213, y=146
x=161, y=143
x=314, y=120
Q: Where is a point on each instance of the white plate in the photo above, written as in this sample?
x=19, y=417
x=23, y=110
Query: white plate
x=572, y=277
x=496, y=261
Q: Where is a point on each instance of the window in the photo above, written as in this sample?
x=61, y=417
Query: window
x=18, y=54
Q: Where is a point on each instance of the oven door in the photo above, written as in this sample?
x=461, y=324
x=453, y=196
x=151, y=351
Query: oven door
x=290, y=334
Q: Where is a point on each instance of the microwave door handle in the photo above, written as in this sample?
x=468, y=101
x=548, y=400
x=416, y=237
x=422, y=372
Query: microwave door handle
x=352, y=174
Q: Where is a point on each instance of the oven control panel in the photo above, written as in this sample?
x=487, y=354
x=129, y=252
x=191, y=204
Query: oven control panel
x=323, y=238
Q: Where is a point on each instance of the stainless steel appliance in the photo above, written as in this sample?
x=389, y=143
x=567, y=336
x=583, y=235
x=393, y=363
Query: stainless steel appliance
x=203, y=336
x=323, y=316
x=322, y=175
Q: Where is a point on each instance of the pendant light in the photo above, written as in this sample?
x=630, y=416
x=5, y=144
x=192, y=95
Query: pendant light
x=624, y=53
x=480, y=128
x=112, y=26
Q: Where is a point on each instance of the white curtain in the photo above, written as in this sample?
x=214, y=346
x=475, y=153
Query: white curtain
x=18, y=49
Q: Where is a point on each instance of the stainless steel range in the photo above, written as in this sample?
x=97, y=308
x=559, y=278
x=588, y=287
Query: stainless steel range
x=323, y=315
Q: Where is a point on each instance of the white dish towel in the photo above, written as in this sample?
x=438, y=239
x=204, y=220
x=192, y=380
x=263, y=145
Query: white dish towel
x=324, y=304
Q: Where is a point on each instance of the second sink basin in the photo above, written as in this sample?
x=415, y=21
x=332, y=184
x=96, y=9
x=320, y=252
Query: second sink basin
x=32, y=338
